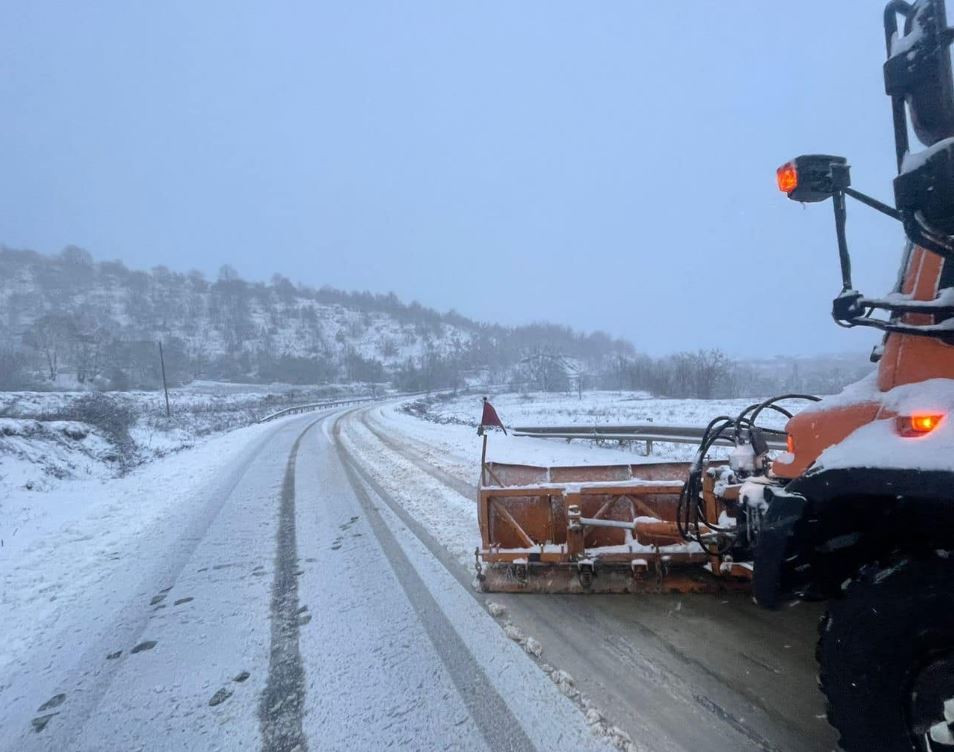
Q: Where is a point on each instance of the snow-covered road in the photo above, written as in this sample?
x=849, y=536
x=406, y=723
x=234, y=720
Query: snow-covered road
x=674, y=672
x=272, y=597
x=306, y=584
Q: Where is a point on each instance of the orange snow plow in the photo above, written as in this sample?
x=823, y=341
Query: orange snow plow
x=596, y=529
x=859, y=510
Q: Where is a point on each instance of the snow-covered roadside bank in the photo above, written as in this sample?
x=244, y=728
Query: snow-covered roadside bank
x=47, y=438
x=77, y=547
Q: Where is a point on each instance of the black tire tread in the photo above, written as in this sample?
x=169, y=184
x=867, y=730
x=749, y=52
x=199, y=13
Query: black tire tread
x=902, y=583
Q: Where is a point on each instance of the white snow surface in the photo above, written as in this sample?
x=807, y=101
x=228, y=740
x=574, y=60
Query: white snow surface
x=863, y=390
x=75, y=555
x=451, y=425
x=39, y=450
x=913, y=160
x=547, y=716
x=448, y=516
x=79, y=571
x=69, y=549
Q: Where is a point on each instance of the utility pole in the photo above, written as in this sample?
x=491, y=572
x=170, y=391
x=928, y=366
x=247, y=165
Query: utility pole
x=165, y=388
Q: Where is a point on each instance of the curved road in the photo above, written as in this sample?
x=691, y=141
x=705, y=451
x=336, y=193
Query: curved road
x=678, y=673
x=295, y=605
x=290, y=611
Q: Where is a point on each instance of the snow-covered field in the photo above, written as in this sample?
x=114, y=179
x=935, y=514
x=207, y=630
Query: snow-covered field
x=592, y=408
x=450, y=423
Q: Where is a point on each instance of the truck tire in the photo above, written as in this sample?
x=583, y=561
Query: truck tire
x=886, y=656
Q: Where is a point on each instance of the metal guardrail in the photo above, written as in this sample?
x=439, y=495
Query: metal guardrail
x=647, y=432
x=295, y=409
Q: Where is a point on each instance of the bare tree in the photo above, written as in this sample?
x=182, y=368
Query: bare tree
x=50, y=335
x=710, y=368
x=88, y=354
x=546, y=369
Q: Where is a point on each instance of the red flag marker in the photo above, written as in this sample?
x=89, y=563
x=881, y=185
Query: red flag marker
x=490, y=418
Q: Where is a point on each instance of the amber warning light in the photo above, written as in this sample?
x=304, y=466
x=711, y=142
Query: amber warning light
x=813, y=177
x=918, y=425
x=787, y=177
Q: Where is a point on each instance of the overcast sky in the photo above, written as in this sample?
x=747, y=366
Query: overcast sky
x=608, y=165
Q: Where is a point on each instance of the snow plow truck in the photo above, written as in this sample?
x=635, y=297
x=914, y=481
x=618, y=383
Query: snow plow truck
x=860, y=508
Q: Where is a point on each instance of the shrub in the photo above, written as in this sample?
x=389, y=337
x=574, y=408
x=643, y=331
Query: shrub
x=111, y=417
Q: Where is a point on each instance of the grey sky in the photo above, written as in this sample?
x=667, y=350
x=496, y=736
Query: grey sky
x=606, y=164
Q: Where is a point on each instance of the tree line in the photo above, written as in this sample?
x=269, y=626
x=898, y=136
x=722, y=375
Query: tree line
x=69, y=321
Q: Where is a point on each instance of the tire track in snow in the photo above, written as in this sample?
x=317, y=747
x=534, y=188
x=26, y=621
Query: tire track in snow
x=497, y=723
x=283, y=700
x=572, y=622
x=459, y=572
x=420, y=459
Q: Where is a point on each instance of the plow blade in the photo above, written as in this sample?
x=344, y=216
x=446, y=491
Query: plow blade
x=555, y=578
x=590, y=529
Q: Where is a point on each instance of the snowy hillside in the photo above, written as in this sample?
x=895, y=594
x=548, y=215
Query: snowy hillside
x=66, y=321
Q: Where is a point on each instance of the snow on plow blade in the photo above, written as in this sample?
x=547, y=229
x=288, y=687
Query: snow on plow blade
x=588, y=529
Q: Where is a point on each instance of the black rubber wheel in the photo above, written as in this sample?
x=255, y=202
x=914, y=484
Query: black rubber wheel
x=886, y=656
